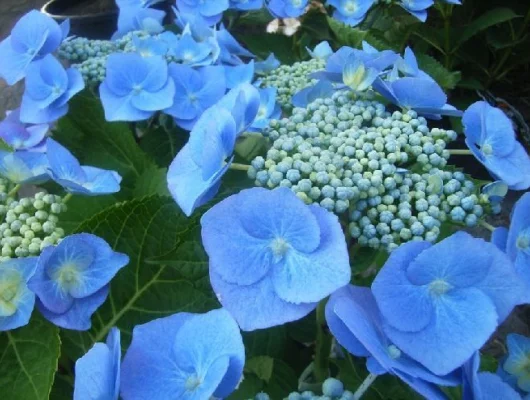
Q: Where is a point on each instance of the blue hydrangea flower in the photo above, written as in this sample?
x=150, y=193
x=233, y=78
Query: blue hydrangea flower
x=286, y=8
x=246, y=5
x=321, y=90
x=236, y=75
x=135, y=87
x=351, y=12
x=198, y=27
x=48, y=88
x=150, y=46
x=272, y=257
x=231, y=50
x=21, y=136
x=185, y=356
x=516, y=241
x=445, y=295
x=322, y=51
x=24, y=167
x=418, y=8
x=267, y=65
x=196, y=90
x=210, y=11
x=84, y=180
x=97, y=373
x=357, y=76
x=484, y=385
x=491, y=138
x=188, y=50
x=72, y=279
x=518, y=360
x=133, y=19
x=16, y=300
x=354, y=319
x=34, y=36
x=243, y=102
x=422, y=95
x=268, y=109
x=195, y=174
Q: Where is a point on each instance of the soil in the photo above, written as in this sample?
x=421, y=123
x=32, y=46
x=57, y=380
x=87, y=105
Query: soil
x=83, y=7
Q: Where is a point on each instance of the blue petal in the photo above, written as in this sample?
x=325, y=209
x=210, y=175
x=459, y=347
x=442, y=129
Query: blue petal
x=513, y=169
x=239, y=74
x=473, y=122
x=46, y=81
x=63, y=164
x=493, y=388
x=187, y=83
x=30, y=112
x=418, y=92
x=155, y=101
x=322, y=51
x=100, y=181
x=14, y=65
x=520, y=220
x=243, y=102
x=120, y=108
x=499, y=238
x=30, y=30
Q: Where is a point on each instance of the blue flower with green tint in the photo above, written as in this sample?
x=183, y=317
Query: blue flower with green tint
x=351, y=12
x=357, y=76
x=72, y=279
x=16, y=300
x=21, y=136
x=83, y=180
x=286, y=8
x=34, y=36
x=517, y=363
x=354, y=319
x=246, y=5
x=210, y=11
x=196, y=90
x=417, y=8
x=268, y=109
x=184, y=356
x=24, y=167
x=440, y=294
x=272, y=257
x=97, y=373
x=48, y=88
x=135, y=87
x=491, y=138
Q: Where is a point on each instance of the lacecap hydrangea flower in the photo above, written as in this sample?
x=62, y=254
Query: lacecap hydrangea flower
x=21, y=136
x=135, y=87
x=48, y=87
x=97, y=373
x=185, y=356
x=442, y=294
x=72, y=279
x=34, y=36
x=286, y=8
x=273, y=258
x=84, y=180
x=16, y=300
x=491, y=138
x=24, y=167
x=355, y=321
x=351, y=12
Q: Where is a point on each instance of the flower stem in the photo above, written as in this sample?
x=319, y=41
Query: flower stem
x=462, y=152
x=14, y=191
x=364, y=386
x=323, y=346
x=239, y=167
x=489, y=227
x=67, y=197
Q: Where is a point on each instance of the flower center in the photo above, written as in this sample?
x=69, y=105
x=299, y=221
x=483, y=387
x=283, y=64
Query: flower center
x=192, y=383
x=68, y=276
x=393, y=352
x=487, y=149
x=137, y=89
x=296, y=3
x=9, y=288
x=439, y=287
x=523, y=241
x=188, y=56
x=350, y=7
x=279, y=248
x=57, y=90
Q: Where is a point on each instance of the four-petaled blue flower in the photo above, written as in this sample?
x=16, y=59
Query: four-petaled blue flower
x=268, y=109
x=272, y=257
x=97, y=373
x=210, y=11
x=135, y=87
x=441, y=294
x=351, y=12
x=150, y=46
x=34, y=36
x=84, y=180
x=516, y=241
x=286, y=8
x=195, y=91
x=491, y=138
x=21, y=136
x=24, y=167
x=357, y=76
x=184, y=356
x=72, y=279
x=246, y=5
x=418, y=8
x=354, y=319
x=188, y=50
x=48, y=88
x=484, y=385
x=16, y=300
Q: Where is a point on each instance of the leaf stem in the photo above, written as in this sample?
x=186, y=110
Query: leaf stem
x=364, y=386
x=323, y=345
x=67, y=197
x=489, y=227
x=239, y=167
x=460, y=152
x=14, y=191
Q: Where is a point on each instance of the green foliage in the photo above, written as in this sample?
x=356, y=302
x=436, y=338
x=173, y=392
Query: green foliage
x=445, y=78
x=29, y=360
x=260, y=366
x=262, y=44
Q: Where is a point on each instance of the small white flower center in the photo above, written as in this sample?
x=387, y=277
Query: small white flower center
x=439, y=287
x=192, y=383
x=137, y=89
x=279, y=248
x=350, y=7
x=487, y=149
x=393, y=352
x=523, y=241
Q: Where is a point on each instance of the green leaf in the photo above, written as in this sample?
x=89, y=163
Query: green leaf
x=96, y=142
x=445, y=78
x=303, y=330
x=144, y=229
x=265, y=43
x=260, y=366
x=163, y=143
x=486, y=20
x=80, y=208
x=488, y=363
x=29, y=360
x=266, y=342
x=152, y=181
x=250, y=146
x=345, y=34
x=255, y=17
